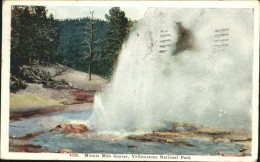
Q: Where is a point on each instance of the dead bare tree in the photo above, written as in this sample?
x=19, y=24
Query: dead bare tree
x=92, y=55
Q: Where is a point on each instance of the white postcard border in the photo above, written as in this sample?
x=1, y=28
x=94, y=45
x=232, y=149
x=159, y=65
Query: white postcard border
x=5, y=75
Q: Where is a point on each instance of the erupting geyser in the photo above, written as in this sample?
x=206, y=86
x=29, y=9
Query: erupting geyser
x=181, y=65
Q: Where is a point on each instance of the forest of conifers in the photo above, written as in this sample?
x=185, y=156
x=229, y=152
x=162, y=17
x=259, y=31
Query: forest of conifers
x=38, y=38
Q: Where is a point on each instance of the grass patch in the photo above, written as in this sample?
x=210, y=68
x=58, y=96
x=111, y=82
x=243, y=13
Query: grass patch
x=22, y=100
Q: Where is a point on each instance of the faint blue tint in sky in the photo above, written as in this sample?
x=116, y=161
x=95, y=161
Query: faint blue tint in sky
x=72, y=12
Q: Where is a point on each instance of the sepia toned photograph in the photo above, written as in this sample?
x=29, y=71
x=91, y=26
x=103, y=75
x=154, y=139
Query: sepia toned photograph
x=130, y=81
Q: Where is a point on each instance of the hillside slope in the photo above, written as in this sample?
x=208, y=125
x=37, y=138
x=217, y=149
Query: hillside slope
x=77, y=79
x=36, y=97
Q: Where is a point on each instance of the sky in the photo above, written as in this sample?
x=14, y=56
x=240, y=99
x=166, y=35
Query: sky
x=73, y=12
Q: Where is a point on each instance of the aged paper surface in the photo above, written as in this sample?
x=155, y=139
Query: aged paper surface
x=130, y=80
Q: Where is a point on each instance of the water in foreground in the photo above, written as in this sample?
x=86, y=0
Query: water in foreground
x=159, y=142
x=53, y=141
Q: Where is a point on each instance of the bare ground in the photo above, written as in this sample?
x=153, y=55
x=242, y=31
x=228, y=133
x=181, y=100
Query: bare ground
x=35, y=97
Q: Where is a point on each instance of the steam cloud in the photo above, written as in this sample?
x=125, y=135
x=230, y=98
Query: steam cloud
x=181, y=65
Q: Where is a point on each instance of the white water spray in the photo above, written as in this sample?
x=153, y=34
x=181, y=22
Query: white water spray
x=181, y=65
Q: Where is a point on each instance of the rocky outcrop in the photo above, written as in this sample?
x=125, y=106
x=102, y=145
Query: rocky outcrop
x=65, y=151
x=176, y=133
x=71, y=128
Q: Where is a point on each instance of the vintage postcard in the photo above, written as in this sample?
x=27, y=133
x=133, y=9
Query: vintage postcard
x=130, y=80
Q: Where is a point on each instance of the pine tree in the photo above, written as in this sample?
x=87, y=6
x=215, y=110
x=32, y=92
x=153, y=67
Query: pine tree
x=52, y=39
x=41, y=35
x=33, y=35
x=22, y=36
x=116, y=34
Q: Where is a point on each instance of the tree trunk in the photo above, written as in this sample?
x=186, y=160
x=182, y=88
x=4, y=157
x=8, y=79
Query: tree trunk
x=91, y=51
x=30, y=61
x=38, y=61
x=90, y=70
x=48, y=62
x=116, y=59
